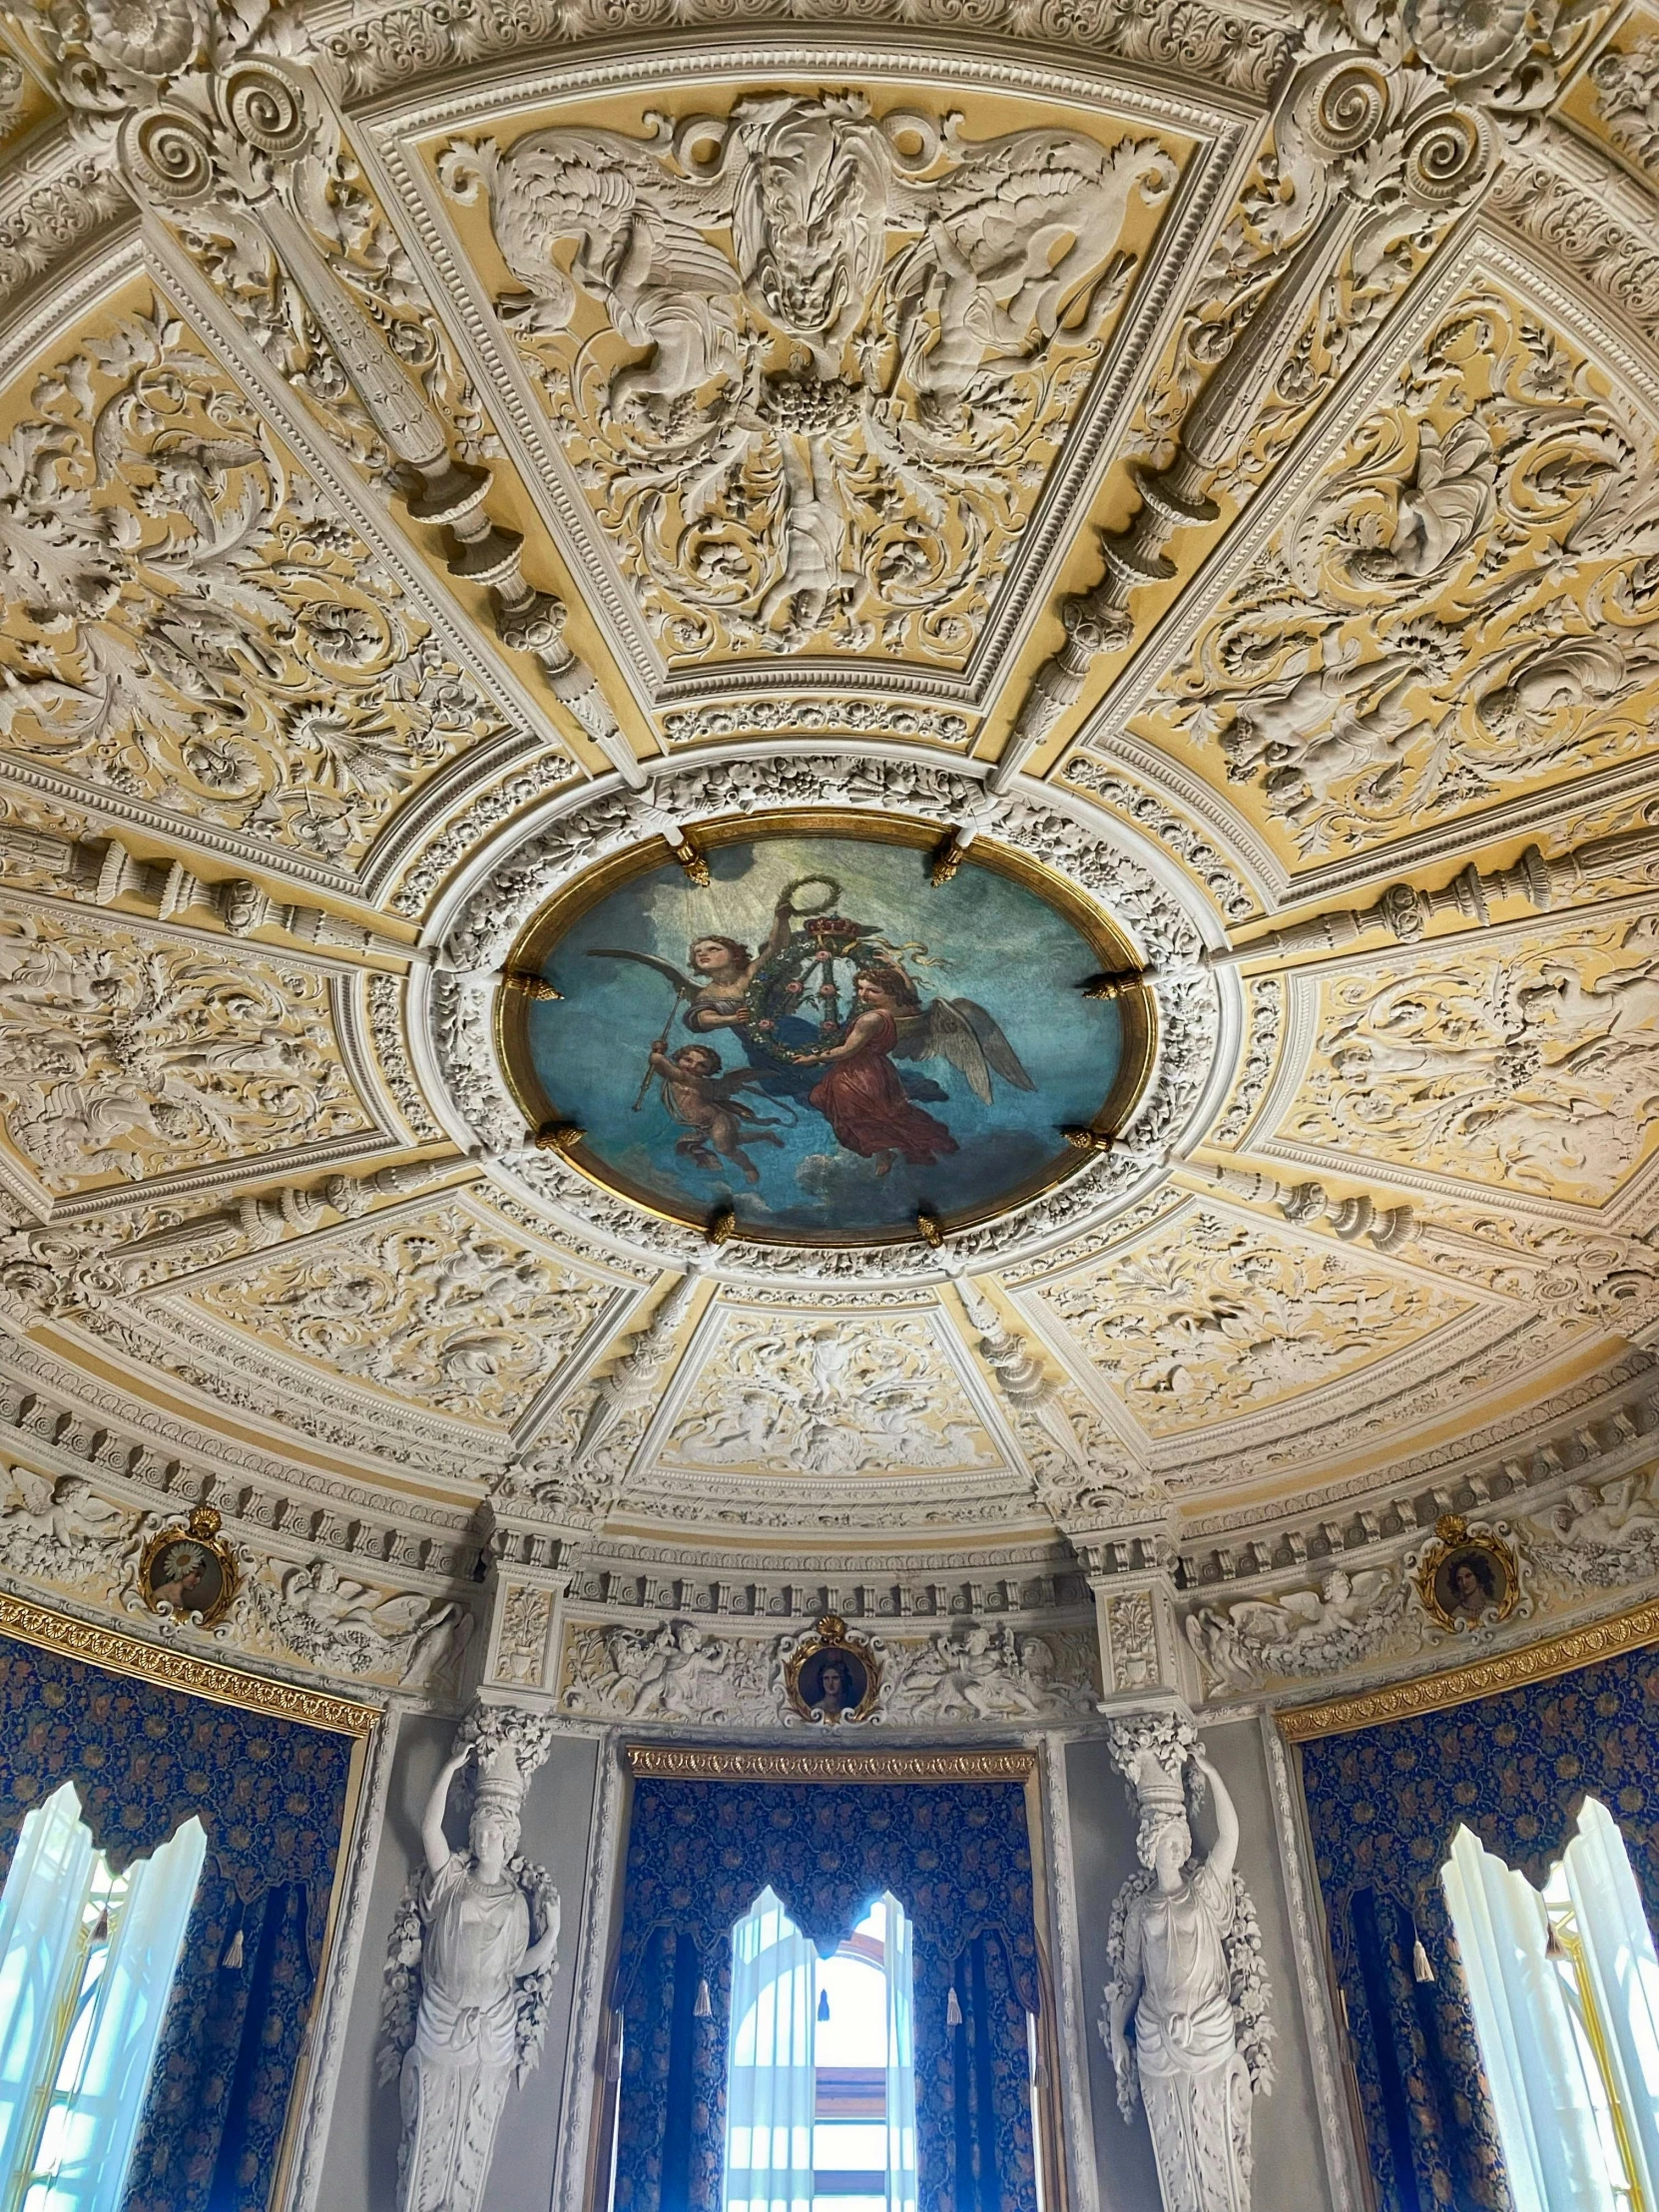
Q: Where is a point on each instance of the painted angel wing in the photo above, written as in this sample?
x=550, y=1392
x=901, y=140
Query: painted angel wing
x=960, y=1031
x=682, y=983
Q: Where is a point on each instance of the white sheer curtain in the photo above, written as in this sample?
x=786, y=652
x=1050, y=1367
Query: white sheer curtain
x=1618, y=1949
x=771, y=2085
x=92, y=2085
x=1546, y=2114
x=902, y=2060
x=94, y=2130
x=40, y=1914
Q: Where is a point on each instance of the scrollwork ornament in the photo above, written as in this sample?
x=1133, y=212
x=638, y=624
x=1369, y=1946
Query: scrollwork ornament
x=1446, y=155
x=1346, y=109
x=169, y=157
x=267, y=105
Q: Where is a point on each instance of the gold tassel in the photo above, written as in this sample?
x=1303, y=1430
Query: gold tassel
x=232, y=1954
x=1553, y=1947
x=1422, y=1971
x=952, y=2010
x=703, y=2010
x=101, y=1927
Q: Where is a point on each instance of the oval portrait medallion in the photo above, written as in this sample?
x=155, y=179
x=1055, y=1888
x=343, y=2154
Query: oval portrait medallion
x=821, y=1039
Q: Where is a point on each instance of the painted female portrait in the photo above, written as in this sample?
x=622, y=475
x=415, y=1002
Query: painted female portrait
x=1470, y=1582
x=822, y=1040
x=831, y=1683
x=1468, y=1576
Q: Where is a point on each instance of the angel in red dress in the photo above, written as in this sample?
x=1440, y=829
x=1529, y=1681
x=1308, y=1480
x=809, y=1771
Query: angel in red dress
x=861, y=1095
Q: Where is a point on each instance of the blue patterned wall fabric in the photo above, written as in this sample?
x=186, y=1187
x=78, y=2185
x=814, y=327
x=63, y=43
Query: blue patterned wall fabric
x=957, y=1858
x=1383, y=1805
x=270, y=1795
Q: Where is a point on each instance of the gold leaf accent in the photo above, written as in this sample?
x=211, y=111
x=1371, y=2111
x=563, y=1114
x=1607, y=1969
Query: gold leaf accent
x=1434, y=1693
x=182, y=1670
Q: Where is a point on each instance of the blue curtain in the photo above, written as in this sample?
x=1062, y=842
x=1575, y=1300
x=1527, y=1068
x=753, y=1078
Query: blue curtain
x=956, y=1856
x=270, y=1796
x=1383, y=1804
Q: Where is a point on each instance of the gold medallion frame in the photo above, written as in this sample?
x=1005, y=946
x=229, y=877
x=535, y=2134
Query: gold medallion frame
x=1137, y=1006
x=1453, y=1536
x=829, y=1634
x=201, y=1528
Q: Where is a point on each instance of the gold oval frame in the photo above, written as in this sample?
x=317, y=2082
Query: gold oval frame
x=1454, y=1535
x=1137, y=1006
x=201, y=1528
x=829, y=1634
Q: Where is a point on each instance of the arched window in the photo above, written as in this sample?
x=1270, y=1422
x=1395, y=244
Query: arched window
x=1564, y=1987
x=820, y=2088
x=87, y=1957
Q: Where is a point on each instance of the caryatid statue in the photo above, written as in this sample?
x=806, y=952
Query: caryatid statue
x=471, y=1965
x=1185, y=2012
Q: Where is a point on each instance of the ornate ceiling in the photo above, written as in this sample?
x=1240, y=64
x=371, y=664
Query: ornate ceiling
x=1192, y=469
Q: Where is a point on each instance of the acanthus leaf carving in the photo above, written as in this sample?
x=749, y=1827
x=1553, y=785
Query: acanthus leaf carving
x=212, y=638
x=133, y=1057
x=1530, y=1063
x=816, y=413
x=1459, y=608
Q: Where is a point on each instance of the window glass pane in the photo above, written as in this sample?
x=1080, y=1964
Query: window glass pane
x=815, y=2035
x=856, y=2034
x=851, y=2143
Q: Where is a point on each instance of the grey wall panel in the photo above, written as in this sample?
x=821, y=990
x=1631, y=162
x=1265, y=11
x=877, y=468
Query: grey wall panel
x=1103, y=1856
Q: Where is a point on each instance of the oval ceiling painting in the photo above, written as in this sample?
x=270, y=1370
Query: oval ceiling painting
x=821, y=1040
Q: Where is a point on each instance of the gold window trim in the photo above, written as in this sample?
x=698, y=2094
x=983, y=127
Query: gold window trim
x=1435, y=1693
x=668, y=1763
x=120, y=1653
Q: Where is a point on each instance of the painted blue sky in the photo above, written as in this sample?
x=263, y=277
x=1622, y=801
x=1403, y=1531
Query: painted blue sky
x=981, y=938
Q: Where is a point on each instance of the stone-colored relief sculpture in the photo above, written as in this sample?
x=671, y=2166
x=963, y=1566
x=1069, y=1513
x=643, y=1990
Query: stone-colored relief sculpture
x=1337, y=1620
x=1209, y=1318
x=132, y=1055
x=63, y=1533
x=340, y=1624
x=190, y=620
x=1627, y=99
x=985, y=1671
x=1599, y=1536
x=441, y=1308
x=1456, y=610
x=973, y=1673
x=1534, y=1063
x=831, y=433
x=1186, y=2014
x=674, y=1672
x=842, y=1396
x=469, y=1970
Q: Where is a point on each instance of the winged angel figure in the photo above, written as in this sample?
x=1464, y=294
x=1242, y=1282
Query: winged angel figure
x=843, y=1071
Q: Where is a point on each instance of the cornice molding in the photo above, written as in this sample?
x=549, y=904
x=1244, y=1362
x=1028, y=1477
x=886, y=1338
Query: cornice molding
x=182, y=1670
x=1436, y=1693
